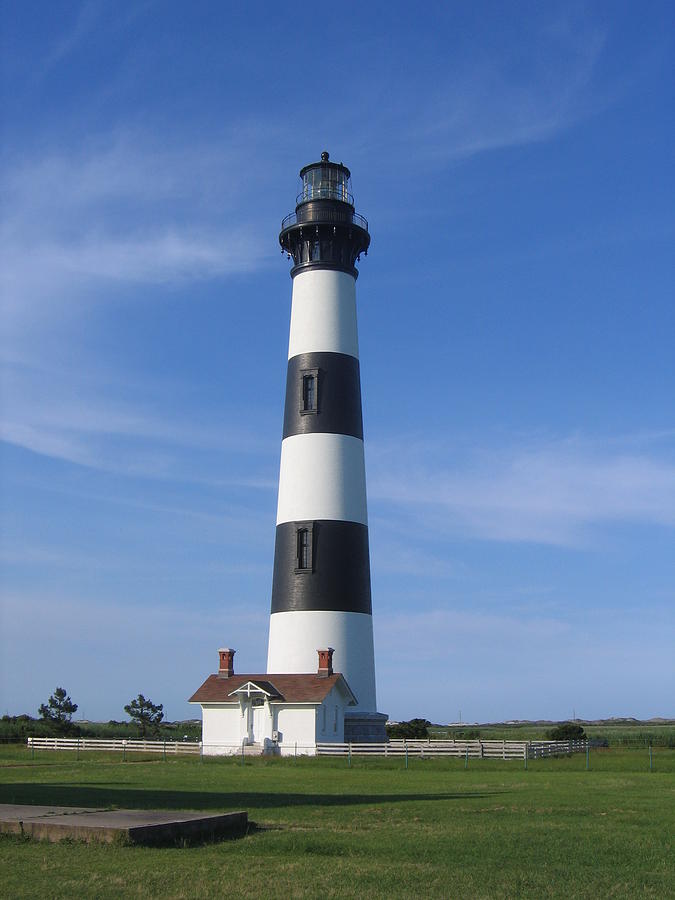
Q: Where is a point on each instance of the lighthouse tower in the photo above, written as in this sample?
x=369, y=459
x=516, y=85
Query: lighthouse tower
x=321, y=588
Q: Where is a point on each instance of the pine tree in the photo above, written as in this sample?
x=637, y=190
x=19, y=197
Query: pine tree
x=146, y=714
x=58, y=710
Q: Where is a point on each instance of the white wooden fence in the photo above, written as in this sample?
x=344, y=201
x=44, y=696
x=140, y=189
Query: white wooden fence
x=115, y=744
x=472, y=749
x=537, y=749
x=475, y=749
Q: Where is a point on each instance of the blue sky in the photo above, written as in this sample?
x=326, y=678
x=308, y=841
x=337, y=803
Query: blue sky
x=516, y=333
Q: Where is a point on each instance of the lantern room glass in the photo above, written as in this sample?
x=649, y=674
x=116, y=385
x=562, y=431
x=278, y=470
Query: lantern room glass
x=325, y=182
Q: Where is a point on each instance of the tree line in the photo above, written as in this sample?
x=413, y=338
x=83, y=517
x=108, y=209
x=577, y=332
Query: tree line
x=146, y=719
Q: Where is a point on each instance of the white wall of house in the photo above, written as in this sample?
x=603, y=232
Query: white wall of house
x=330, y=720
x=221, y=725
x=296, y=724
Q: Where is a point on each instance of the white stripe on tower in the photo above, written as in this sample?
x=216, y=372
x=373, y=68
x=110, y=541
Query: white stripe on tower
x=323, y=313
x=322, y=476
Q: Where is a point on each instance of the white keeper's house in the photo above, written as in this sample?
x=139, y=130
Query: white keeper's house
x=270, y=713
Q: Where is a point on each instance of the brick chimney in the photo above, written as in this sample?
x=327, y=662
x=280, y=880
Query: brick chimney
x=326, y=662
x=226, y=662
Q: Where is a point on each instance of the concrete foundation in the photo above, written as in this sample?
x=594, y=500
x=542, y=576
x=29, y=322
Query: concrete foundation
x=134, y=826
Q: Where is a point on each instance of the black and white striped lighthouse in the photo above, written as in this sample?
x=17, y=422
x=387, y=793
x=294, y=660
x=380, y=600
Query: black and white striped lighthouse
x=321, y=588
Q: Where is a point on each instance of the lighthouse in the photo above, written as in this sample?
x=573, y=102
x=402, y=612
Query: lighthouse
x=321, y=597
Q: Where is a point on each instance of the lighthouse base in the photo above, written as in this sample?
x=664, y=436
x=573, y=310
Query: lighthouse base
x=365, y=728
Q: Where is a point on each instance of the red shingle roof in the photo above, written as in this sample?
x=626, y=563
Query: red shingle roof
x=286, y=688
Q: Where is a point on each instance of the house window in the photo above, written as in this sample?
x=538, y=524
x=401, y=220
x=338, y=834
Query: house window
x=304, y=541
x=335, y=719
x=309, y=402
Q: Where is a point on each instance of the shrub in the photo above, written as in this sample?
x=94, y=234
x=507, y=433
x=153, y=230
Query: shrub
x=415, y=728
x=566, y=731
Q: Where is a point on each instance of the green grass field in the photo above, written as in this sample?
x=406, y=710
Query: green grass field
x=617, y=735
x=325, y=830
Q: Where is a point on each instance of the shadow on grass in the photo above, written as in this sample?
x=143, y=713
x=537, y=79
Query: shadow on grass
x=130, y=798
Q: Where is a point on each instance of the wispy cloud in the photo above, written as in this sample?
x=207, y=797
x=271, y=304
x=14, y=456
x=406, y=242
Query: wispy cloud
x=127, y=206
x=52, y=413
x=132, y=445
x=122, y=209
x=486, y=103
x=85, y=20
x=556, y=492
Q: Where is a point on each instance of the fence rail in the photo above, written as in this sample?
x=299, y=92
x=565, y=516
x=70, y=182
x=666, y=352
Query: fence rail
x=115, y=744
x=474, y=749
x=555, y=748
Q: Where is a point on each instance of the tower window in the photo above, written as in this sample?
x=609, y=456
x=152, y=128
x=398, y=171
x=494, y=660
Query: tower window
x=304, y=538
x=304, y=553
x=310, y=391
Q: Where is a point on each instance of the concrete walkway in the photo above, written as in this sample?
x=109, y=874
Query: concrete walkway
x=136, y=826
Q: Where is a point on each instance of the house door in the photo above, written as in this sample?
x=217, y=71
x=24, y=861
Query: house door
x=249, y=724
x=259, y=716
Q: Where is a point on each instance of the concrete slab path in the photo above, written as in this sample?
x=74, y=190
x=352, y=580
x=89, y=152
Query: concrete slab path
x=136, y=826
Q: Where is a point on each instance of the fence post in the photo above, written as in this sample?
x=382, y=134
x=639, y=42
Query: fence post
x=78, y=748
x=349, y=757
x=164, y=751
x=201, y=751
x=405, y=744
x=124, y=751
x=296, y=750
x=525, y=754
x=466, y=757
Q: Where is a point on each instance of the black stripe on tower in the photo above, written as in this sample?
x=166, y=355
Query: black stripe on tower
x=322, y=565
x=323, y=394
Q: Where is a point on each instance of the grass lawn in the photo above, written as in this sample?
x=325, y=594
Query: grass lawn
x=326, y=830
x=621, y=735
